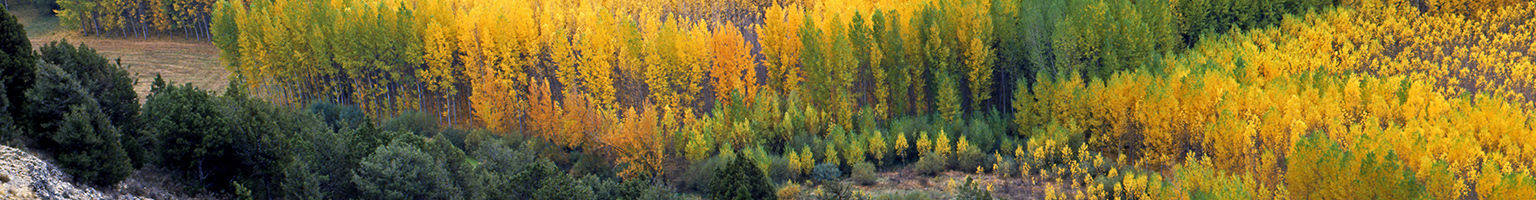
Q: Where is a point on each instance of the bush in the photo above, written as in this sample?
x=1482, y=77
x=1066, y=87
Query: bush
x=414, y=122
x=838, y=191
x=740, y=179
x=971, y=191
x=340, y=117
x=562, y=186
x=864, y=173
x=789, y=190
x=89, y=146
x=10, y=135
x=700, y=175
x=783, y=168
x=402, y=171
x=969, y=157
x=930, y=163
x=826, y=172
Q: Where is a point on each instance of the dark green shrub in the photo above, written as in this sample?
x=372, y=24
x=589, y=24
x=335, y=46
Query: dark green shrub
x=413, y=122
x=340, y=117
x=402, y=171
x=740, y=179
x=781, y=170
x=930, y=163
x=562, y=187
x=864, y=173
x=970, y=191
x=89, y=147
x=10, y=135
x=826, y=172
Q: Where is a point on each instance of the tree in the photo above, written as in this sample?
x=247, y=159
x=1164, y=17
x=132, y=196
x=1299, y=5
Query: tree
x=70, y=123
x=17, y=63
x=598, y=51
x=543, y=111
x=181, y=123
x=108, y=82
x=638, y=143
x=781, y=41
x=740, y=179
x=402, y=171
x=50, y=99
x=733, y=68
x=90, y=147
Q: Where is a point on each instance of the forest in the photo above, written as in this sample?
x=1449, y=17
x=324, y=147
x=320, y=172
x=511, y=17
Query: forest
x=799, y=99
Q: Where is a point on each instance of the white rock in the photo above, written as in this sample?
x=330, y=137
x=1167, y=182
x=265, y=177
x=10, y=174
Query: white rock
x=32, y=178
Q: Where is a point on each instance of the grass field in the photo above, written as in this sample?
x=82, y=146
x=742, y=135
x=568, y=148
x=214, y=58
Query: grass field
x=177, y=59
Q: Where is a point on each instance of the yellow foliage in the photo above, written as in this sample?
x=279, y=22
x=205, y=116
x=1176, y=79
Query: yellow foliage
x=733, y=66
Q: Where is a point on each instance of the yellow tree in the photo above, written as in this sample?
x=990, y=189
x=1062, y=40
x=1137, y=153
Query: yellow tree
x=733, y=64
x=780, y=38
x=675, y=72
x=543, y=111
x=638, y=143
x=598, y=51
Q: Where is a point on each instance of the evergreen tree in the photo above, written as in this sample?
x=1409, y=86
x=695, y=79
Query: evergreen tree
x=90, y=147
x=16, y=65
x=740, y=179
x=109, y=83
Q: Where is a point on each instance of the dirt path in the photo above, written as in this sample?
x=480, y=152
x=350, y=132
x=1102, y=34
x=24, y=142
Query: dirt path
x=178, y=60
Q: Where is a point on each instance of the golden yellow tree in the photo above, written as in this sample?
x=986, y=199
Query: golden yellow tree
x=733, y=66
x=543, y=111
x=598, y=51
x=638, y=143
x=780, y=38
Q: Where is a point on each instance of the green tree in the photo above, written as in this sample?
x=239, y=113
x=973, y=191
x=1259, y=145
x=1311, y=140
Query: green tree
x=181, y=124
x=70, y=123
x=17, y=61
x=740, y=179
x=90, y=148
x=109, y=83
x=402, y=171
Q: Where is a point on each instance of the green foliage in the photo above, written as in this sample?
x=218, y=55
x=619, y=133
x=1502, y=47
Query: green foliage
x=108, y=82
x=1201, y=17
x=971, y=191
x=90, y=147
x=412, y=122
x=17, y=63
x=180, y=123
x=1090, y=42
x=930, y=163
x=563, y=187
x=740, y=179
x=826, y=172
x=402, y=171
x=1322, y=168
x=50, y=98
x=864, y=173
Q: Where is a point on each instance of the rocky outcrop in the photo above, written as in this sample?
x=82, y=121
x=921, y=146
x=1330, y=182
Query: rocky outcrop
x=27, y=177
